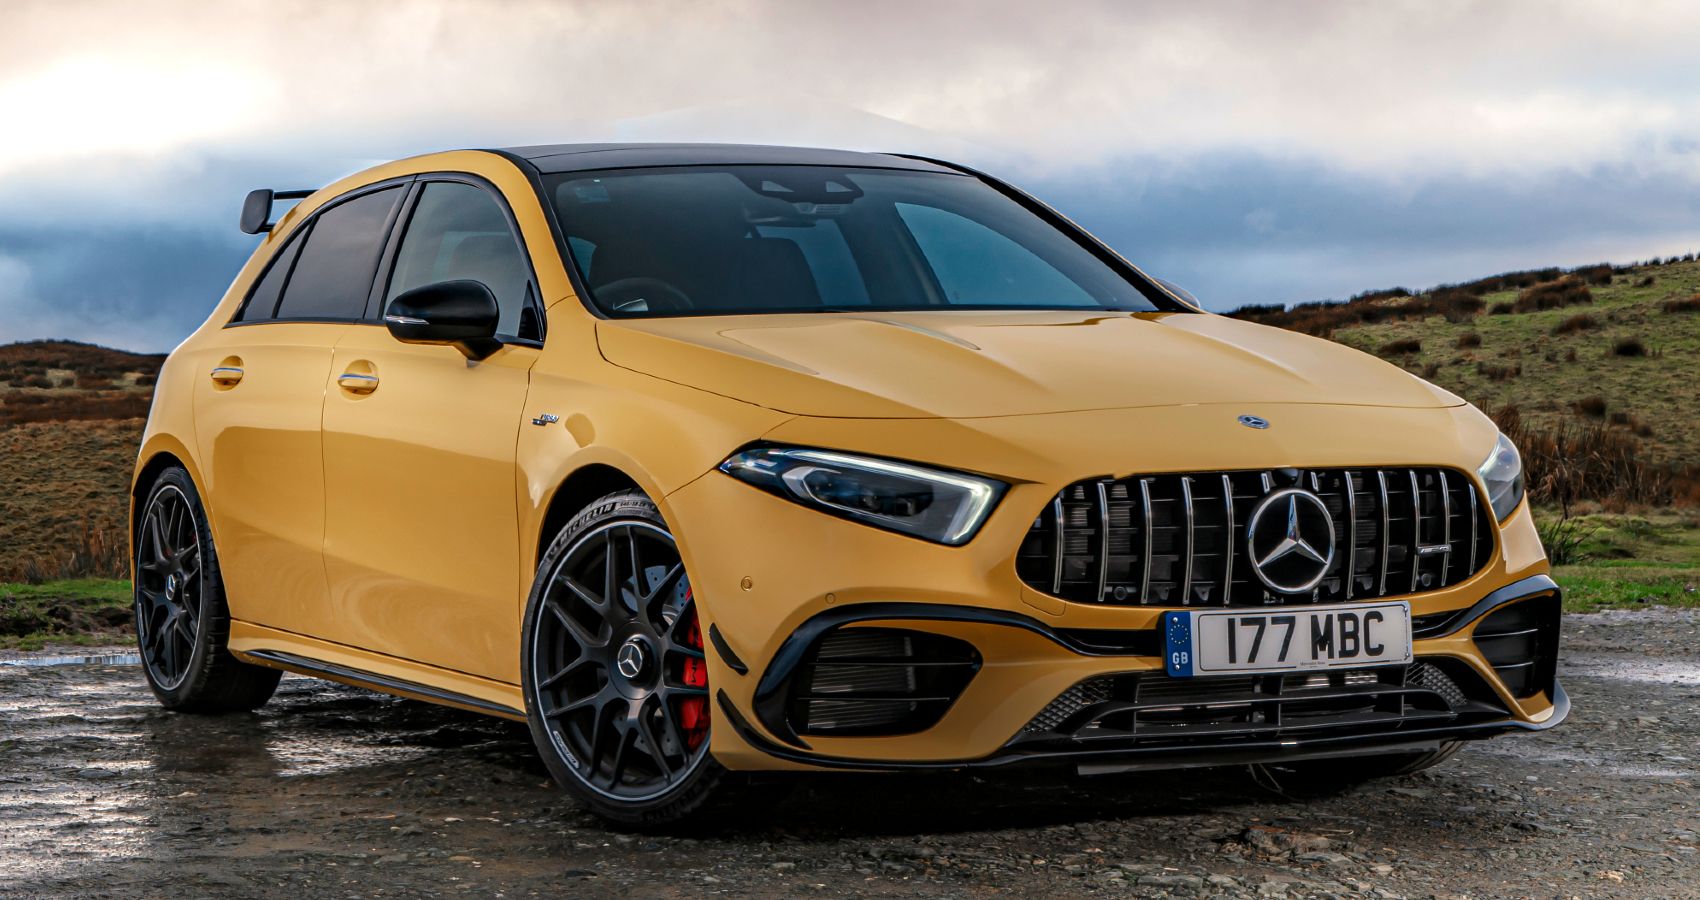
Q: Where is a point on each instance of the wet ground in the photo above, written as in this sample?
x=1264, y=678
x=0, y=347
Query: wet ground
x=332, y=792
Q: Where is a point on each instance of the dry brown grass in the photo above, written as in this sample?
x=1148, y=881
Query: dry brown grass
x=64, y=497
x=1560, y=292
x=1688, y=305
x=1581, y=322
x=1469, y=339
x=1631, y=347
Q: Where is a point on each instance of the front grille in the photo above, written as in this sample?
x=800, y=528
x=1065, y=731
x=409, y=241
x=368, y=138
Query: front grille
x=878, y=681
x=1154, y=708
x=1520, y=641
x=1180, y=539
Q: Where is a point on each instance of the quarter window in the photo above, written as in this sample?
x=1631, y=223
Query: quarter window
x=459, y=232
x=262, y=303
x=333, y=274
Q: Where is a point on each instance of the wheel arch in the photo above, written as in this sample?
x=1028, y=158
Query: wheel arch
x=574, y=493
x=159, y=452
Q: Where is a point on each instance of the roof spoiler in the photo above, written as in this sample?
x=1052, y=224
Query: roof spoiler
x=257, y=209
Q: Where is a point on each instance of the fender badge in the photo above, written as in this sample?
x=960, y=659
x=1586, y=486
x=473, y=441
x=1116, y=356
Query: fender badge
x=546, y=419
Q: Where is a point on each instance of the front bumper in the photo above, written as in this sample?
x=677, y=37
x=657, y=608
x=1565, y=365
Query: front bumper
x=773, y=577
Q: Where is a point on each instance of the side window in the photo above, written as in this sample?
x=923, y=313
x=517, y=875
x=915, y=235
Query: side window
x=262, y=303
x=459, y=232
x=977, y=266
x=333, y=273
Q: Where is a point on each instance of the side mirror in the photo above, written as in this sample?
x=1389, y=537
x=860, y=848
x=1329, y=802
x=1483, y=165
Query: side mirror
x=462, y=314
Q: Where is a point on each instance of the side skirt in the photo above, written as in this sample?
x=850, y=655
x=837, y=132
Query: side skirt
x=358, y=668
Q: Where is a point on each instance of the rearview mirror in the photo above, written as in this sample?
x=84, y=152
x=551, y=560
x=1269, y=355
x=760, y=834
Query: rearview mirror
x=461, y=314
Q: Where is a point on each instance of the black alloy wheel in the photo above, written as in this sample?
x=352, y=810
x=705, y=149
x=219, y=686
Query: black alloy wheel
x=182, y=618
x=168, y=587
x=615, y=675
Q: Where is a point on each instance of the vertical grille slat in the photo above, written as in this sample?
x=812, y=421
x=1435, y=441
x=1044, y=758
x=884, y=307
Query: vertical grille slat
x=1103, y=539
x=1171, y=540
x=1230, y=549
x=1146, y=527
x=1191, y=542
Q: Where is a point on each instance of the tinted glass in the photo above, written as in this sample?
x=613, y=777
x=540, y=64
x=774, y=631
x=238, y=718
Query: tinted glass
x=334, y=272
x=750, y=239
x=459, y=232
x=263, y=301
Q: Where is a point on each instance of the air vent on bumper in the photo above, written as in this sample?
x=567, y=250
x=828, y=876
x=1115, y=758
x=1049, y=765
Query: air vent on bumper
x=1520, y=641
x=878, y=681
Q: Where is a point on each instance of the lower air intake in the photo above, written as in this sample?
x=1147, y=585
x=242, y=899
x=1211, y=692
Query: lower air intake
x=1520, y=641
x=879, y=681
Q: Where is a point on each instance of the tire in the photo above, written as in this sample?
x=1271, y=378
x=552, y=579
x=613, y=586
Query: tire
x=624, y=730
x=1333, y=775
x=182, y=617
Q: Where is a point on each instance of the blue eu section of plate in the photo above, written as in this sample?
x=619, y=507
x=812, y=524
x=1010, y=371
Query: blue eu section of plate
x=1177, y=637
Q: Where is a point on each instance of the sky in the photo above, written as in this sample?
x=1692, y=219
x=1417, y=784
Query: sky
x=1251, y=152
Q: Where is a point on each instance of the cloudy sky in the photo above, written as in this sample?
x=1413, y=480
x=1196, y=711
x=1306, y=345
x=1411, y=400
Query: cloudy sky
x=1252, y=152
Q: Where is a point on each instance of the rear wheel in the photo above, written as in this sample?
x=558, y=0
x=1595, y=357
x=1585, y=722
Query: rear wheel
x=182, y=619
x=616, y=682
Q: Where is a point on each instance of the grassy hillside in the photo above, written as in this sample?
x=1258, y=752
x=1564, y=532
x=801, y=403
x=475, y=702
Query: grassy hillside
x=70, y=422
x=1596, y=369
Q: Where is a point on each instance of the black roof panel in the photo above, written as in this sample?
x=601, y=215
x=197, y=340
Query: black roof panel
x=553, y=158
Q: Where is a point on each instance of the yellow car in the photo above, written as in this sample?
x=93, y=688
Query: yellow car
x=707, y=460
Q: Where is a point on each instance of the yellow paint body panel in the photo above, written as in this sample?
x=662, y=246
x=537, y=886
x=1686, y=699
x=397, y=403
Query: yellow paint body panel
x=396, y=532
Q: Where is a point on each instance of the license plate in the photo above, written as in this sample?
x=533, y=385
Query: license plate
x=1229, y=641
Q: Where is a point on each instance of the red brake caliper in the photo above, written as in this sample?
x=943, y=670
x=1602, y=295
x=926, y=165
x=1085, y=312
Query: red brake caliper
x=693, y=711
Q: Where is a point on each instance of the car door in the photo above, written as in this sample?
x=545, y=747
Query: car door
x=257, y=409
x=422, y=530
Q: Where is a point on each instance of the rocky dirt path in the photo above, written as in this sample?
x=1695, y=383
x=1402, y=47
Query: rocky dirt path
x=331, y=792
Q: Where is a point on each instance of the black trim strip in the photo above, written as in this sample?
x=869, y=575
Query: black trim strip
x=1521, y=589
x=1166, y=756
x=726, y=655
x=383, y=682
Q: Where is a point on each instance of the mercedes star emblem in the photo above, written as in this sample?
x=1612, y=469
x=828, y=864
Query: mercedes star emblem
x=1290, y=540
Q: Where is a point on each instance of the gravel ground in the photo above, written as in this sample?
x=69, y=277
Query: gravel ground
x=331, y=792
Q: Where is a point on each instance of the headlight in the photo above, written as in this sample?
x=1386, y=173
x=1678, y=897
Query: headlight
x=1502, y=472
x=947, y=507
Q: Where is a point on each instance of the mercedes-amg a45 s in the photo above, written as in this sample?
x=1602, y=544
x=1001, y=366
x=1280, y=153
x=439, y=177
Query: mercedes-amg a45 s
x=707, y=460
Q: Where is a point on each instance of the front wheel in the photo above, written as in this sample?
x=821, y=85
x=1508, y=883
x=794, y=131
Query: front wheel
x=615, y=679
x=1335, y=775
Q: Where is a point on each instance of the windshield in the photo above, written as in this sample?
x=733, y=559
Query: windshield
x=769, y=239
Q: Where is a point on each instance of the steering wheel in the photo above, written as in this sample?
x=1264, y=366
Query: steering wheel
x=642, y=294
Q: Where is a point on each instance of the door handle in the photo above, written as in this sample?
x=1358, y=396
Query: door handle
x=226, y=376
x=357, y=382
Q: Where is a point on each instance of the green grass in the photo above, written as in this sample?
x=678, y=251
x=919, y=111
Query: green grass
x=1631, y=561
x=83, y=612
x=1657, y=390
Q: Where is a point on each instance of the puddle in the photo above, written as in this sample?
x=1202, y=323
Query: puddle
x=108, y=659
x=1633, y=669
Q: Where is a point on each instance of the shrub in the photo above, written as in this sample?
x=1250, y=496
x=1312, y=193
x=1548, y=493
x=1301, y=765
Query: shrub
x=1567, y=291
x=1495, y=372
x=1570, y=355
x=1632, y=422
x=1502, y=309
x=1431, y=370
x=1593, y=407
x=1646, y=282
x=1599, y=274
x=1691, y=304
x=1629, y=347
x=1587, y=461
x=1401, y=347
x=1469, y=339
x=1581, y=322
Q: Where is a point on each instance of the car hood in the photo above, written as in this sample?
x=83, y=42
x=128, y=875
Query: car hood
x=971, y=364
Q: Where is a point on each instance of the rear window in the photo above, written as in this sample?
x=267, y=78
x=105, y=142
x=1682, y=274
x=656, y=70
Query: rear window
x=333, y=271
x=706, y=240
